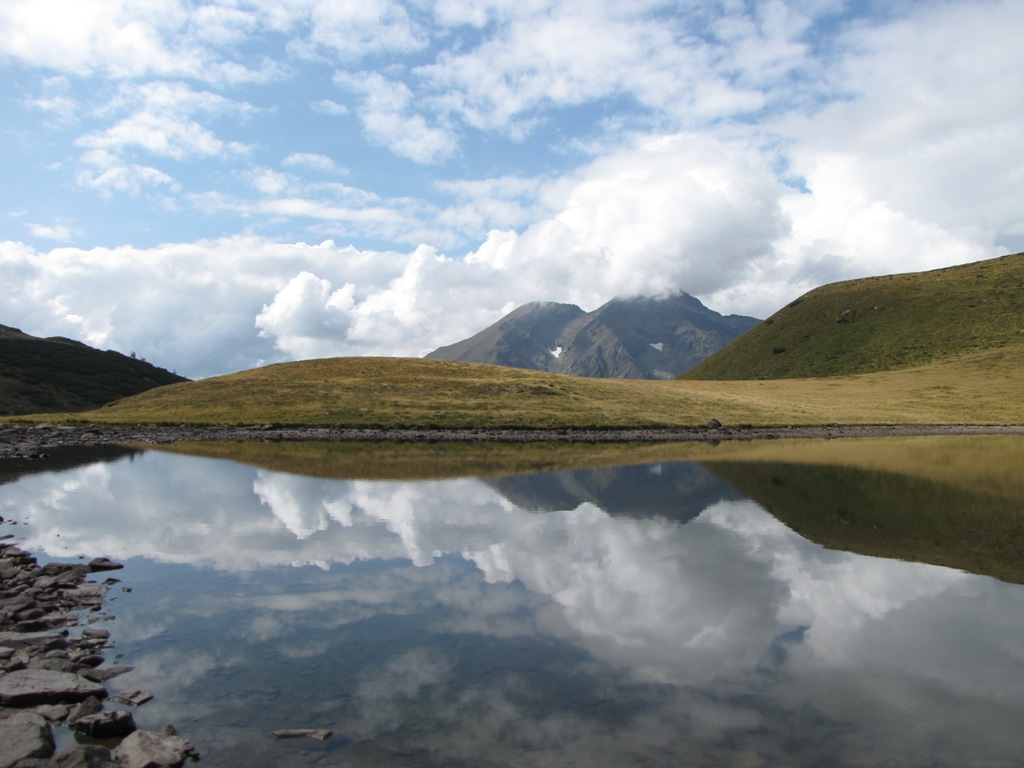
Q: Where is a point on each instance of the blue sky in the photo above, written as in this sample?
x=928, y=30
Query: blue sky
x=226, y=184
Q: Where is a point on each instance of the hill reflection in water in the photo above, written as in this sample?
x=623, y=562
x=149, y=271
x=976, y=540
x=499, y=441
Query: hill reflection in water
x=447, y=623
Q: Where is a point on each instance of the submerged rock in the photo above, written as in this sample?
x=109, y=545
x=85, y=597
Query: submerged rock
x=320, y=734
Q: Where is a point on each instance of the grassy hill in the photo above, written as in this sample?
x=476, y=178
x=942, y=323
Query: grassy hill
x=61, y=375
x=941, y=347
x=979, y=388
x=882, y=324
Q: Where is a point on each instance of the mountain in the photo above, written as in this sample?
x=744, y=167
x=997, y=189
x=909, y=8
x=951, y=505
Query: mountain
x=524, y=338
x=62, y=375
x=638, y=338
x=882, y=324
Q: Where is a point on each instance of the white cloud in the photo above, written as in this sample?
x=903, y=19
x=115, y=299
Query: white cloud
x=355, y=29
x=744, y=154
x=681, y=69
x=307, y=318
x=107, y=174
x=389, y=119
x=310, y=160
x=131, y=38
x=55, y=100
x=484, y=204
x=82, y=36
x=57, y=231
x=673, y=211
x=162, y=122
x=933, y=127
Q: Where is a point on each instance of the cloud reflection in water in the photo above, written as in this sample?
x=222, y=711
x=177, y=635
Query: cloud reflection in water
x=445, y=621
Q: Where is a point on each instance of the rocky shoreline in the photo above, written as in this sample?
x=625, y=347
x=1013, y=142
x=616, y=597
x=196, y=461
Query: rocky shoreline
x=52, y=673
x=29, y=441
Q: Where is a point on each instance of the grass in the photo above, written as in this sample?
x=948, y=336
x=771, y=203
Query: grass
x=882, y=323
x=977, y=388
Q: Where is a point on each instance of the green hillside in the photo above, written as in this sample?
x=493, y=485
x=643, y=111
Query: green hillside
x=977, y=388
x=61, y=375
x=881, y=324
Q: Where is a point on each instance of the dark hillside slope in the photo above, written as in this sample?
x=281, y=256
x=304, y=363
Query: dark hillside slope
x=881, y=324
x=61, y=375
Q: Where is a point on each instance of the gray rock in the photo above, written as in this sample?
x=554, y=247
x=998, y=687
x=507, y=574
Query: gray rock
x=134, y=697
x=24, y=735
x=104, y=564
x=100, y=675
x=105, y=725
x=90, y=706
x=145, y=749
x=58, y=665
x=52, y=712
x=42, y=641
x=29, y=687
x=84, y=756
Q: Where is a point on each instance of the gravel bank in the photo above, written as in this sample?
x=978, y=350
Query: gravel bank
x=32, y=441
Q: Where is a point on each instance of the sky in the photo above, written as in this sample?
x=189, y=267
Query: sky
x=221, y=185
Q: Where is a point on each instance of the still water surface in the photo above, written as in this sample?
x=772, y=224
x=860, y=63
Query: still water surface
x=633, y=616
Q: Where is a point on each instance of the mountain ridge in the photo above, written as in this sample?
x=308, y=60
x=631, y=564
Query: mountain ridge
x=634, y=338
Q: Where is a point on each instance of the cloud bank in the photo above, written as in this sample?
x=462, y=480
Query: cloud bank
x=236, y=184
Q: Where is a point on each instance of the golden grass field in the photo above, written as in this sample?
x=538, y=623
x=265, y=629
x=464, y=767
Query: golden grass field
x=976, y=388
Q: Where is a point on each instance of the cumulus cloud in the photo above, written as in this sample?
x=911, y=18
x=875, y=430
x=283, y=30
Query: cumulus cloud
x=676, y=210
x=307, y=318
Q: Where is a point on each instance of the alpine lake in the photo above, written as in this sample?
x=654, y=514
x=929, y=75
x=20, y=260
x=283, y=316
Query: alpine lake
x=850, y=602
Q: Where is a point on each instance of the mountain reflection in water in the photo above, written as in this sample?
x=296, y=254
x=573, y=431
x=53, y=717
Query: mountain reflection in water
x=578, y=618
